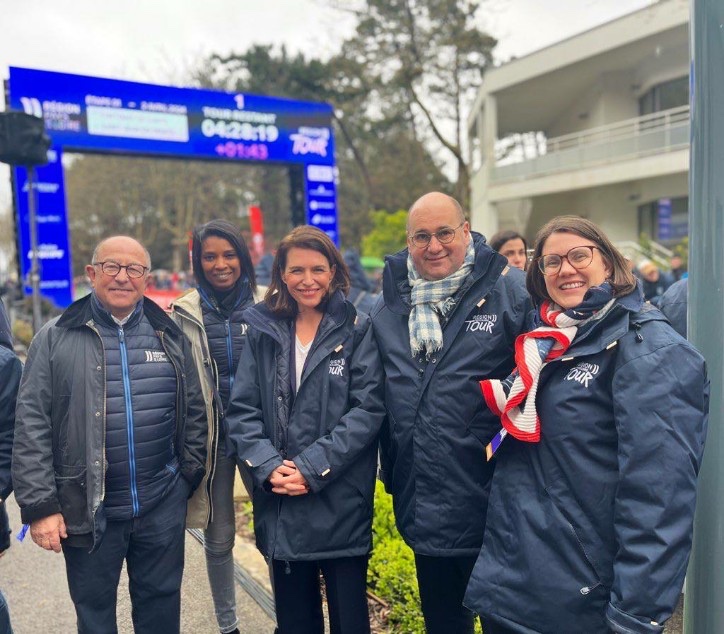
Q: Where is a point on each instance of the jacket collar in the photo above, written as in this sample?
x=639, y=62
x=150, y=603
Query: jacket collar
x=396, y=287
x=80, y=312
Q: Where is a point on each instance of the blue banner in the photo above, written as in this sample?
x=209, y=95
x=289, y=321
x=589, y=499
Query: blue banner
x=52, y=223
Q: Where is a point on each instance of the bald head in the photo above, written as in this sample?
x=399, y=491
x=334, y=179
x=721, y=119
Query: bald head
x=435, y=201
x=123, y=244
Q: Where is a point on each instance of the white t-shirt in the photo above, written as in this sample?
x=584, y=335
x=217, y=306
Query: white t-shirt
x=300, y=356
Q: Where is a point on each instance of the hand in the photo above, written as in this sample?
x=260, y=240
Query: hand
x=48, y=532
x=288, y=480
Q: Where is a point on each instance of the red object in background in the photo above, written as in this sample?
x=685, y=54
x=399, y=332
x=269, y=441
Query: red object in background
x=256, y=224
x=163, y=297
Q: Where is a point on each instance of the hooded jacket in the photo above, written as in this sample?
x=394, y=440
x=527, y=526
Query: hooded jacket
x=59, y=461
x=590, y=529
x=329, y=428
x=432, y=446
x=187, y=313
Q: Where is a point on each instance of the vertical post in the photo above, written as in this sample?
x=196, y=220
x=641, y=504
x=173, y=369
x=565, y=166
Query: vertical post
x=34, y=263
x=703, y=607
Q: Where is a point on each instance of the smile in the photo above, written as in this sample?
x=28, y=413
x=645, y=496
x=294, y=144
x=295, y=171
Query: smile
x=571, y=285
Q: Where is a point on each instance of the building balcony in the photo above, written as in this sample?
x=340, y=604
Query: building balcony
x=650, y=135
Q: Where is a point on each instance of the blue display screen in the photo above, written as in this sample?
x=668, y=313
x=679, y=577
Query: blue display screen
x=108, y=115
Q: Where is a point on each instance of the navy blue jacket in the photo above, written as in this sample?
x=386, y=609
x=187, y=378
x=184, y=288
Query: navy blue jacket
x=329, y=428
x=432, y=444
x=590, y=529
x=673, y=304
x=10, y=370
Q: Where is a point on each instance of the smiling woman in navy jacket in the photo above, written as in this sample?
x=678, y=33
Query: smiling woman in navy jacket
x=304, y=417
x=590, y=516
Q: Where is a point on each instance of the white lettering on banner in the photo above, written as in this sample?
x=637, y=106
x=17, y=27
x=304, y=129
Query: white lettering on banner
x=318, y=204
x=48, y=252
x=319, y=219
x=320, y=173
x=308, y=145
x=481, y=323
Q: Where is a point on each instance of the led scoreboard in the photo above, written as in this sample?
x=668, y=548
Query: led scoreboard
x=91, y=114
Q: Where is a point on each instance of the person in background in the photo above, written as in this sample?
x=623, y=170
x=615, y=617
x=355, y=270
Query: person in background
x=361, y=290
x=211, y=316
x=654, y=281
x=591, y=511
x=450, y=311
x=10, y=371
x=513, y=246
x=110, y=441
x=304, y=417
x=678, y=270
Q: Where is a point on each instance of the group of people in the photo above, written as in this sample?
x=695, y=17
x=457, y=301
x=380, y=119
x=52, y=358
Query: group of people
x=540, y=432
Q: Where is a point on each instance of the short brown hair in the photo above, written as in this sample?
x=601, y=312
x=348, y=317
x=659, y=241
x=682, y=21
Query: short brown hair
x=277, y=297
x=622, y=280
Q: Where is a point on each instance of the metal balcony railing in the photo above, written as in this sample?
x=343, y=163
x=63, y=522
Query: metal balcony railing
x=651, y=134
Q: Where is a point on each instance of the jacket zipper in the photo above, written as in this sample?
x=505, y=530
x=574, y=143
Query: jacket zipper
x=129, y=422
x=103, y=443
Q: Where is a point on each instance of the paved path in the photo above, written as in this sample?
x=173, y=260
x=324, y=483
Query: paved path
x=34, y=583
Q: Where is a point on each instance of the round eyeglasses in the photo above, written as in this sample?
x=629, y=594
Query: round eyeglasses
x=578, y=257
x=444, y=236
x=110, y=268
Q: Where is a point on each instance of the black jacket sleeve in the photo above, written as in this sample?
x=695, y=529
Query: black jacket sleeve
x=196, y=429
x=10, y=371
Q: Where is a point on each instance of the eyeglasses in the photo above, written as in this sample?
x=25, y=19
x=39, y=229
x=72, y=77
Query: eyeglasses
x=110, y=268
x=422, y=238
x=578, y=257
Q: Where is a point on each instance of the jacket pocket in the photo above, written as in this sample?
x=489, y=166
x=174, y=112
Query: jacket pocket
x=70, y=482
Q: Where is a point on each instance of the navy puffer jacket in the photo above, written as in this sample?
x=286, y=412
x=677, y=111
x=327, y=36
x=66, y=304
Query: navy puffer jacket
x=329, y=428
x=589, y=530
x=432, y=446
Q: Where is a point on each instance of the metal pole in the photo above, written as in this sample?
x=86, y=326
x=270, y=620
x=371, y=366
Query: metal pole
x=34, y=263
x=703, y=605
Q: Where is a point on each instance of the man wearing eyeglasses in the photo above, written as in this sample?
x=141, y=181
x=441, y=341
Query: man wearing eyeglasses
x=110, y=441
x=448, y=318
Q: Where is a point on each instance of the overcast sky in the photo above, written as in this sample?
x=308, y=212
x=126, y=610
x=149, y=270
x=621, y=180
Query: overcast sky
x=158, y=40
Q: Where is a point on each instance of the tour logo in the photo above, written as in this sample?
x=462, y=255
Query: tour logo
x=336, y=367
x=244, y=328
x=583, y=373
x=155, y=356
x=481, y=323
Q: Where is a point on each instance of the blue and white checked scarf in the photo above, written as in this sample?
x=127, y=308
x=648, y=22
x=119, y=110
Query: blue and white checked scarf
x=431, y=299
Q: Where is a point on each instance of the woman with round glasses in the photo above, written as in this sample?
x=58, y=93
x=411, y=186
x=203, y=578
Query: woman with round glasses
x=304, y=418
x=603, y=423
x=211, y=316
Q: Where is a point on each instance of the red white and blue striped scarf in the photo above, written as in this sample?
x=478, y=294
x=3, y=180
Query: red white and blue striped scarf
x=513, y=399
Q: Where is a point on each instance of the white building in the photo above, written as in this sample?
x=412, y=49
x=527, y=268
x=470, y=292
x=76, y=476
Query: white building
x=596, y=125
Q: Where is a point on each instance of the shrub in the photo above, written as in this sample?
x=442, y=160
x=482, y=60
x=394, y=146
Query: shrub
x=391, y=573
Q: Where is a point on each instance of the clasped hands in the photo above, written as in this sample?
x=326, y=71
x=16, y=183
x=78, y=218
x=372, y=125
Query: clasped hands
x=286, y=479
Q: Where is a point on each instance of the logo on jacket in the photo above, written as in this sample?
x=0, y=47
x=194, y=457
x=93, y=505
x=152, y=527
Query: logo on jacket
x=583, y=373
x=481, y=323
x=156, y=356
x=244, y=328
x=336, y=367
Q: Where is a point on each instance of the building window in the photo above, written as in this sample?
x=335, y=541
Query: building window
x=665, y=220
x=670, y=94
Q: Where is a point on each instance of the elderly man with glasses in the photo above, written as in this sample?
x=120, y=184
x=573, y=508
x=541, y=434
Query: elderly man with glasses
x=450, y=312
x=110, y=441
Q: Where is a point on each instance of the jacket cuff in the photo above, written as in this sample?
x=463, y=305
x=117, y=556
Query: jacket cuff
x=261, y=462
x=315, y=467
x=260, y=473
x=624, y=623
x=29, y=514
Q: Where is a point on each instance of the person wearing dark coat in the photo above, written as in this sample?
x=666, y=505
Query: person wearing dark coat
x=450, y=311
x=10, y=371
x=361, y=289
x=654, y=281
x=591, y=511
x=304, y=418
x=110, y=441
x=673, y=304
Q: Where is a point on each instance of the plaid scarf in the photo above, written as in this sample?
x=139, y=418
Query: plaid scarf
x=432, y=299
x=513, y=399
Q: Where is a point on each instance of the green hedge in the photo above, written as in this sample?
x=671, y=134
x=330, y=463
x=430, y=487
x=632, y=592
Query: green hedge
x=391, y=573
